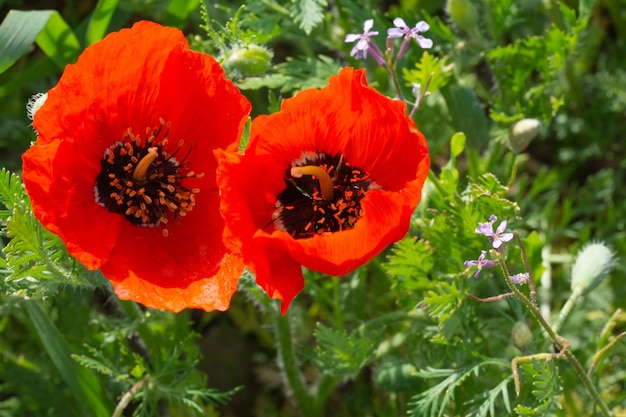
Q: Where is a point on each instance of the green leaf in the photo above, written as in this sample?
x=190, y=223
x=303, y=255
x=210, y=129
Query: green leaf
x=11, y=189
x=397, y=376
x=457, y=144
x=82, y=382
x=308, y=13
x=340, y=354
x=100, y=19
x=295, y=75
x=429, y=67
x=18, y=32
x=179, y=10
x=409, y=263
x=434, y=401
x=58, y=41
x=467, y=113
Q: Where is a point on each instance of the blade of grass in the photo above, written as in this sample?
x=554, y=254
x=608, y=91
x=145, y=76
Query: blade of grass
x=100, y=19
x=58, y=41
x=18, y=32
x=82, y=382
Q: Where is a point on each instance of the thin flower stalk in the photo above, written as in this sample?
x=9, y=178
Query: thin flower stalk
x=558, y=341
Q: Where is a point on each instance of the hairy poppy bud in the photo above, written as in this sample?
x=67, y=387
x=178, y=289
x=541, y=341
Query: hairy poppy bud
x=522, y=134
x=521, y=336
x=593, y=263
x=251, y=60
x=35, y=103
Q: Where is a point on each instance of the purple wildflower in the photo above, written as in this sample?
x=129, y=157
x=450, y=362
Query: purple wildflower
x=364, y=44
x=497, y=238
x=520, y=279
x=401, y=29
x=481, y=263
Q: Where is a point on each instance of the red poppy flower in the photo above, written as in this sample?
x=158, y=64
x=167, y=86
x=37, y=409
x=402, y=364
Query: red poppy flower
x=327, y=182
x=123, y=168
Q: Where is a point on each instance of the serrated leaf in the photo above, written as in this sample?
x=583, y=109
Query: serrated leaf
x=340, y=354
x=11, y=189
x=295, y=75
x=410, y=263
x=429, y=67
x=308, y=13
x=433, y=402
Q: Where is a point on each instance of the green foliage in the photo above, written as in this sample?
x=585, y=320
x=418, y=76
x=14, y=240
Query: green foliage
x=434, y=401
x=295, y=75
x=546, y=389
x=36, y=263
x=308, y=13
x=399, y=335
x=340, y=354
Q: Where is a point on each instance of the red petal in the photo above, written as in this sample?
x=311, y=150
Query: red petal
x=62, y=194
x=132, y=79
x=210, y=294
x=349, y=118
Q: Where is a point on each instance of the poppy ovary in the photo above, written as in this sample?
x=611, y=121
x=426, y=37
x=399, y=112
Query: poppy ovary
x=326, y=184
x=140, y=171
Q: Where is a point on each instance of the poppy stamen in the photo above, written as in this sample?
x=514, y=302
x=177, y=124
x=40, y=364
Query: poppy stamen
x=143, y=182
x=323, y=195
x=326, y=184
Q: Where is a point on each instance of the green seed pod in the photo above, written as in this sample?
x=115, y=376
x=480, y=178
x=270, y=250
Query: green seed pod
x=250, y=60
x=593, y=263
x=463, y=13
x=521, y=336
x=522, y=134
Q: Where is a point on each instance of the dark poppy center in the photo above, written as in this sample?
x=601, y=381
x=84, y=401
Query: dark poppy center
x=141, y=181
x=323, y=195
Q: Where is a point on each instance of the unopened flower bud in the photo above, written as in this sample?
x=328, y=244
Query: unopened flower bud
x=593, y=263
x=521, y=336
x=251, y=60
x=463, y=13
x=522, y=134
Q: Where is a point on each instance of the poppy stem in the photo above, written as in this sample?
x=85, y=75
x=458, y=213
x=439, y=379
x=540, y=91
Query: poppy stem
x=139, y=174
x=326, y=184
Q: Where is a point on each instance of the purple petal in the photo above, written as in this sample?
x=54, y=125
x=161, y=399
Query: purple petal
x=351, y=37
x=424, y=43
x=502, y=227
x=369, y=23
x=484, y=229
x=493, y=218
x=395, y=33
x=422, y=26
x=399, y=23
x=361, y=45
x=505, y=237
